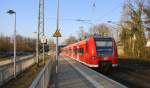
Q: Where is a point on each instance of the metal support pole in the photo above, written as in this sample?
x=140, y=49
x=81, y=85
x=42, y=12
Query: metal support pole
x=57, y=37
x=15, y=46
x=56, y=54
x=43, y=47
x=38, y=35
x=37, y=58
x=43, y=53
x=43, y=33
x=37, y=48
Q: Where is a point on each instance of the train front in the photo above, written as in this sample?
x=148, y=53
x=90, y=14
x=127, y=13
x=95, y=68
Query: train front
x=106, y=52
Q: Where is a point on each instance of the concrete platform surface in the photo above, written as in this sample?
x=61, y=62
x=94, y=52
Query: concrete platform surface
x=72, y=74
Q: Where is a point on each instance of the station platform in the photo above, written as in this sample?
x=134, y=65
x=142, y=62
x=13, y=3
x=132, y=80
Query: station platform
x=72, y=74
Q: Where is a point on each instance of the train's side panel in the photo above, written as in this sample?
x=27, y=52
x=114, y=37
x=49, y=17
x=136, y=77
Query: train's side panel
x=85, y=52
x=92, y=52
x=67, y=50
x=75, y=51
x=70, y=51
x=81, y=51
x=87, y=56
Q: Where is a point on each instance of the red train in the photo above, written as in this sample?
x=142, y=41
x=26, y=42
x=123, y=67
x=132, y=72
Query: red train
x=95, y=51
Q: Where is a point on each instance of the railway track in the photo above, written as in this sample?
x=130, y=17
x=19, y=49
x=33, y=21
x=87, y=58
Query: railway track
x=132, y=78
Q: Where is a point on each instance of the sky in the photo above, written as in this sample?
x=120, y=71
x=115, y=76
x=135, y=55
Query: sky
x=27, y=15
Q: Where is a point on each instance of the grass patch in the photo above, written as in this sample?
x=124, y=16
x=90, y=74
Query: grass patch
x=4, y=58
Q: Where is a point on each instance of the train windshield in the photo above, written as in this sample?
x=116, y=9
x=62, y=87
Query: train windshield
x=104, y=47
x=104, y=43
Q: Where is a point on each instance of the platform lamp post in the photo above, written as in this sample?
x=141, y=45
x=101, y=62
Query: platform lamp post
x=13, y=12
x=36, y=47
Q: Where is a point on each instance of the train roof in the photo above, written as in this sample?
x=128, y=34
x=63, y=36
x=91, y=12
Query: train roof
x=77, y=43
x=96, y=37
x=99, y=36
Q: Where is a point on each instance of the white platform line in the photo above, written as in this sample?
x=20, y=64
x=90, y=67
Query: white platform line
x=84, y=62
x=92, y=81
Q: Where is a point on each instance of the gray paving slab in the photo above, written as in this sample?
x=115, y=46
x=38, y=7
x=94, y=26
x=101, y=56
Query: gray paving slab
x=68, y=77
x=72, y=74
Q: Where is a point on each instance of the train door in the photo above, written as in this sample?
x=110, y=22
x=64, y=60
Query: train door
x=72, y=52
x=84, y=52
x=81, y=53
x=78, y=57
x=69, y=51
x=87, y=56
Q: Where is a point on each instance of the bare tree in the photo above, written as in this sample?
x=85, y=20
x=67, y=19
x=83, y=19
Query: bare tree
x=101, y=29
x=146, y=10
x=82, y=34
x=132, y=35
x=23, y=44
x=70, y=40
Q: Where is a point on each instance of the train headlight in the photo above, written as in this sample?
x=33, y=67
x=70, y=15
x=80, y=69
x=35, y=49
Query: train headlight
x=106, y=58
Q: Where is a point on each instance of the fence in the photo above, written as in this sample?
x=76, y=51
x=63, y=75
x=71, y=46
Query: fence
x=43, y=78
x=6, y=71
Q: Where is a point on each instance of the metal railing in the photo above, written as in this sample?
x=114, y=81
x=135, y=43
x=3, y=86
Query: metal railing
x=43, y=78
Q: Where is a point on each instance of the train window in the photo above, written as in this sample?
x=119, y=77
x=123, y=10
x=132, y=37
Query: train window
x=81, y=51
x=104, y=48
x=75, y=51
x=103, y=43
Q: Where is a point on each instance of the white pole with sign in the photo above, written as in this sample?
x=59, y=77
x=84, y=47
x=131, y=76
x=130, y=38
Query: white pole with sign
x=57, y=34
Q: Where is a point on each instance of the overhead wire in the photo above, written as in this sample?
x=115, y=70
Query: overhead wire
x=105, y=14
x=94, y=6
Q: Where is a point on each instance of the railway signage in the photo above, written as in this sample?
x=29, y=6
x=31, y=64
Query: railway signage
x=57, y=34
x=43, y=39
